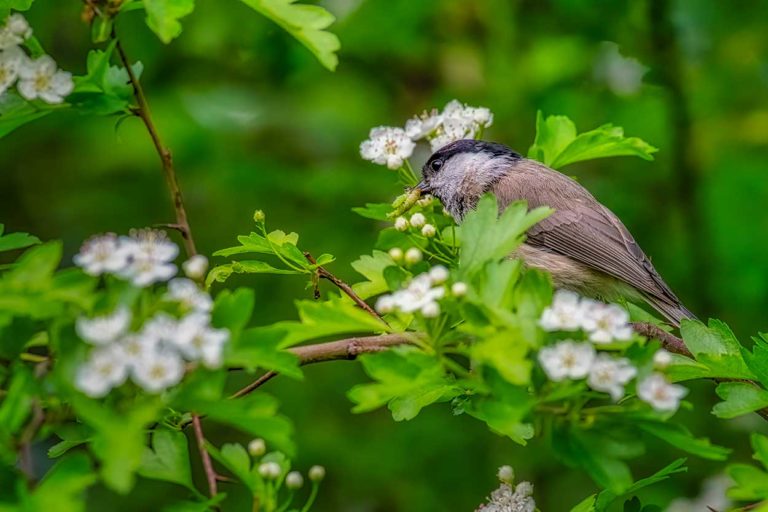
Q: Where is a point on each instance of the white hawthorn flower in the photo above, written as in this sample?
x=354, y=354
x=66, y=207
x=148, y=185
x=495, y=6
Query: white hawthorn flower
x=158, y=371
x=567, y=360
x=662, y=359
x=418, y=220
x=396, y=254
x=401, y=224
x=509, y=499
x=11, y=59
x=186, y=292
x=102, y=254
x=459, y=289
x=460, y=122
x=565, y=314
x=610, y=374
x=15, y=31
x=294, y=480
x=659, y=393
x=195, y=267
x=387, y=146
x=105, y=369
x=162, y=329
x=137, y=347
x=423, y=125
x=413, y=256
x=451, y=130
x=151, y=254
x=269, y=470
x=102, y=330
x=42, y=79
x=197, y=340
x=430, y=310
x=428, y=230
x=606, y=322
x=417, y=294
x=438, y=274
x=385, y=304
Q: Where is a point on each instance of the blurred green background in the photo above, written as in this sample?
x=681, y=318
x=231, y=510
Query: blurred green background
x=255, y=122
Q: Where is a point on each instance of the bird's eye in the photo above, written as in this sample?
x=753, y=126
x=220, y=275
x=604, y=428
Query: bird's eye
x=436, y=165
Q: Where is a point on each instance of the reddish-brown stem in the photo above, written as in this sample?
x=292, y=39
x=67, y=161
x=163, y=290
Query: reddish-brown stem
x=210, y=474
x=669, y=341
x=169, y=171
x=348, y=348
x=344, y=287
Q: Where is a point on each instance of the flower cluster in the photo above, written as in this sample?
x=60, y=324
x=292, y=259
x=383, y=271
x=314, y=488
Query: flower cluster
x=143, y=258
x=574, y=360
x=421, y=294
x=393, y=146
x=418, y=222
x=154, y=355
x=34, y=78
x=508, y=497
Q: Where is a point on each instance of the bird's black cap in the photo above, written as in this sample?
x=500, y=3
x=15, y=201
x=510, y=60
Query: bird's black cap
x=471, y=146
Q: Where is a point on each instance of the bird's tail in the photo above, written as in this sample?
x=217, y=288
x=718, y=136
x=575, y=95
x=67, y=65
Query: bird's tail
x=673, y=312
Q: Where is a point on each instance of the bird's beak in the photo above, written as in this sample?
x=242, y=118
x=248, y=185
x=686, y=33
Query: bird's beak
x=423, y=187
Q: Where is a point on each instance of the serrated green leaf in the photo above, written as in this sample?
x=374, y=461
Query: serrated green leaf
x=261, y=348
x=751, y=483
x=716, y=347
x=236, y=459
x=168, y=459
x=372, y=268
x=15, y=112
x=163, y=17
x=13, y=241
x=233, y=310
x=739, y=398
x=304, y=22
x=587, y=505
x=375, y=211
x=605, y=498
x=221, y=273
x=681, y=438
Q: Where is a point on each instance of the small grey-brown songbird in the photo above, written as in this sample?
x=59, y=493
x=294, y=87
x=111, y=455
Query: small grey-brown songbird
x=583, y=245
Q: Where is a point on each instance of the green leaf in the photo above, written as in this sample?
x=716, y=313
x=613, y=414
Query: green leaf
x=716, y=347
x=163, y=17
x=557, y=143
x=760, y=446
x=488, y=236
x=261, y=348
x=375, y=211
x=17, y=5
x=605, y=498
x=587, y=505
x=757, y=359
x=739, y=398
x=15, y=112
x=681, y=438
x=62, y=488
x=236, y=459
x=233, y=310
x=372, y=268
x=507, y=354
x=751, y=482
x=211, y=505
x=221, y=273
x=168, y=459
x=71, y=434
x=104, y=89
x=306, y=24
x=14, y=241
x=17, y=402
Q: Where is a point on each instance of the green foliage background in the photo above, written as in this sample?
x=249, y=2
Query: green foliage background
x=255, y=122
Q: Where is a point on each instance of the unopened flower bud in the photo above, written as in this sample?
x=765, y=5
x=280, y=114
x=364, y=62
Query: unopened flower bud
x=269, y=470
x=459, y=289
x=258, y=216
x=401, y=224
x=506, y=474
x=195, y=267
x=524, y=489
x=430, y=310
x=424, y=201
x=294, y=480
x=438, y=274
x=316, y=473
x=662, y=358
x=418, y=220
x=428, y=230
x=396, y=254
x=413, y=256
x=257, y=447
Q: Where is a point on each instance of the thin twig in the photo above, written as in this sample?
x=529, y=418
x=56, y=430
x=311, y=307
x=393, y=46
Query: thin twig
x=348, y=349
x=210, y=474
x=325, y=274
x=26, y=438
x=143, y=112
x=669, y=341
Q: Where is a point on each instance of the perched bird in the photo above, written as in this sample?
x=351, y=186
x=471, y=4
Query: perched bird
x=583, y=245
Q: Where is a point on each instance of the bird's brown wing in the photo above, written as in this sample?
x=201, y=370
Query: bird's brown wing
x=581, y=228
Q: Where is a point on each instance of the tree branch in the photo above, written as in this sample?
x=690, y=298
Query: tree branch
x=210, y=474
x=669, y=341
x=143, y=112
x=325, y=274
x=347, y=349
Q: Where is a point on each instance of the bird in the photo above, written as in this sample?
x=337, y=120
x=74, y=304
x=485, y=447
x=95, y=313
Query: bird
x=583, y=245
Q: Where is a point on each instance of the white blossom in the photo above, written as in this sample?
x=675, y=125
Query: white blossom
x=269, y=470
x=438, y=274
x=385, y=304
x=195, y=267
x=150, y=257
x=428, y=230
x=459, y=289
x=387, y=146
x=509, y=499
x=430, y=310
x=162, y=329
x=659, y=393
x=102, y=254
x=137, y=347
x=294, y=480
x=11, y=60
x=102, y=330
x=198, y=341
x=567, y=360
x=662, y=359
x=158, y=371
x=413, y=256
x=423, y=125
x=105, y=369
x=41, y=78
x=460, y=121
x=418, y=220
x=565, y=314
x=401, y=224
x=623, y=75
x=418, y=295
x=14, y=32
x=452, y=130
x=186, y=292
x=606, y=322
x=396, y=254
x=610, y=374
